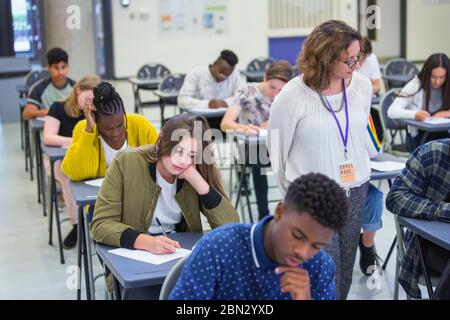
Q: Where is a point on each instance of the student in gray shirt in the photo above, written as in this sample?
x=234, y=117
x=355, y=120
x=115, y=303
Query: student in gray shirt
x=47, y=91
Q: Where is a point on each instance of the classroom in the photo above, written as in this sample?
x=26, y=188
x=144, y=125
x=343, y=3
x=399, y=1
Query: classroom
x=225, y=150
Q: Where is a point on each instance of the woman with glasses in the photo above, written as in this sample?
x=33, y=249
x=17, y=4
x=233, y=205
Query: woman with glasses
x=318, y=123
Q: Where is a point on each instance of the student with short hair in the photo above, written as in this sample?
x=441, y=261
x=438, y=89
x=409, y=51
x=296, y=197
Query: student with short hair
x=46, y=91
x=369, y=66
x=422, y=191
x=106, y=130
x=161, y=188
x=279, y=258
x=212, y=86
x=426, y=95
x=250, y=112
x=59, y=123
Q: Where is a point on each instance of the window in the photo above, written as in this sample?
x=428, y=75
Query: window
x=26, y=26
x=299, y=15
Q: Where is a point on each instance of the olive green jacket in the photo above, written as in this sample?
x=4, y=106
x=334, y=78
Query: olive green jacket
x=127, y=199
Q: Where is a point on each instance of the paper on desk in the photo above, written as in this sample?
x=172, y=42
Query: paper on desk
x=262, y=133
x=148, y=257
x=207, y=111
x=386, y=165
x=40, y=118
x=437, y=120
x=95, y=183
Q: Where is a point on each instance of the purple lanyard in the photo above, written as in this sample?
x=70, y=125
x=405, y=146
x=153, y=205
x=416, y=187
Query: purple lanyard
x=344, y=138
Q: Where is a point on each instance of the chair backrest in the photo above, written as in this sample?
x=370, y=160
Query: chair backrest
x=35, y=76
x=153, y=71
x=401, y=67
x=259, y=64
x=385, y=103
x=172, y=83
x=172, y=278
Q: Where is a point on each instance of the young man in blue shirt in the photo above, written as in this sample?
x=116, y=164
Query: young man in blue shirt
x=280, y=257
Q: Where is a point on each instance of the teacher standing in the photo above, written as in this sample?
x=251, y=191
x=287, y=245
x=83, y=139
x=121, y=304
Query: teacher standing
x=318, y=123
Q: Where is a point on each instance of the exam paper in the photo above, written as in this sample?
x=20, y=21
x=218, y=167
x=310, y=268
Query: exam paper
x=95, y=183
x=386, y=165
x=148, y=257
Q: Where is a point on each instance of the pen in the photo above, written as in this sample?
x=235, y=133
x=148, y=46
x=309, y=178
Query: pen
x=160, y=226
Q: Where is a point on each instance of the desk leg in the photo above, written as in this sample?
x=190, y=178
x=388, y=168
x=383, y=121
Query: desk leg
x=445, y=276
x=79, y=251
x=394, y=242
x=84, y=245
x=37, y=146
x=241, y=182
x=42, y=184
x=137, y=100
x=31, y=163
x=52, y=200
x=425, y=271
x=58, y=221
x=89, y=273
x=162, y=105
x=27, y=143
x=391, y=249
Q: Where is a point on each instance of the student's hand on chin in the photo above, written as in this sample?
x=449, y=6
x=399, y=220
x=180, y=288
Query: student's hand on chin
x=296, y=282
x=88, y=111
x=188, y=173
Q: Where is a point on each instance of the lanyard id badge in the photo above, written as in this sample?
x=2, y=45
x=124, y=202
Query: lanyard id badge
x=346, y=168
x=347, y=174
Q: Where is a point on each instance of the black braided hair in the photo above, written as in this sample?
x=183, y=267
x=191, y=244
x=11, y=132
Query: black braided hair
x=107, y=101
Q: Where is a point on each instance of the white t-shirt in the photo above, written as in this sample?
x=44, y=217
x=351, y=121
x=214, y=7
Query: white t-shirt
x=167, y=209
x=110, y=153
x=199, y=87
x=371, y=68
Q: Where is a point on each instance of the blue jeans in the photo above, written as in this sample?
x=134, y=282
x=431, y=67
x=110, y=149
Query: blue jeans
x=373, y=210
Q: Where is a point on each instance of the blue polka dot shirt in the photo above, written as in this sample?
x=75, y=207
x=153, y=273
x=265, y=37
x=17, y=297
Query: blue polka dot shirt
x=230, y=263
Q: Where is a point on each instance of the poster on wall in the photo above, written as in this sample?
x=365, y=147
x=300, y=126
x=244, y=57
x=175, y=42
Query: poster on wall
x=179, y=18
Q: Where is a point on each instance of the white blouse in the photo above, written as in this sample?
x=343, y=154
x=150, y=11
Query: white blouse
x=199, y=87
x=309, y=139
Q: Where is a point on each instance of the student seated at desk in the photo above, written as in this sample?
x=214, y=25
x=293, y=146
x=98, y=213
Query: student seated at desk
x=97, y=139
x=62, y=118
x=426, y=95
x=250, y=112
x=279, y=258
x=422, y=191
x=369, y=66
x=211, y=86
x=161, y=188
x=46, y=91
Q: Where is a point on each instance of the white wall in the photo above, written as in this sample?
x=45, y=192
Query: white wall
x=79, y=43
x=428, y=28
x=388, y=37
x=137, y=41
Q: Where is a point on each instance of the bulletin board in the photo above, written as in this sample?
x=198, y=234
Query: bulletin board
x=178, y=18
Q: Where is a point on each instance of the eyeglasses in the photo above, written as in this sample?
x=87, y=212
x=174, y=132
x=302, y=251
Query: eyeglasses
x=352, y=63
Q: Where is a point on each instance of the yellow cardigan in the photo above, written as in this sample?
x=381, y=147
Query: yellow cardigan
x=85, y=158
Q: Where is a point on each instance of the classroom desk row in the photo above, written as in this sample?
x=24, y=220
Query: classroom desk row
x=129, y=273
